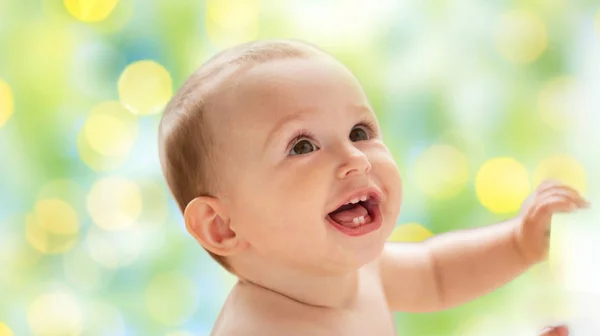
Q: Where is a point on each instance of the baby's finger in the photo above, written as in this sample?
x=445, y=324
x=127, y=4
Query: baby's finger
x=551, y=205
x=551, y=186
x=566, y=192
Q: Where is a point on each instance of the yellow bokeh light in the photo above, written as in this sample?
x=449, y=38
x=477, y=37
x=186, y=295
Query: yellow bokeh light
x=229, y=22
x=502, y=184
x=55, y=313
x=5, y=330
x=521, y=36
x=225, y=39
x=7, y=104
x=107, y=137
x=53, y=227
x=557, y=103
x=114, y=203
x=564, y=169
x=441, y=171
x=145, y=87
x=171, y=298
x=90, y=10
x=410, y=233
x=233, y=14
x=105, y=134
x=95, y=160
x=56, y=216
x=110, y=129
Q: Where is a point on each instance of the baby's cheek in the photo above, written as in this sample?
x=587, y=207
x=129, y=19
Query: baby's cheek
x=390, y=181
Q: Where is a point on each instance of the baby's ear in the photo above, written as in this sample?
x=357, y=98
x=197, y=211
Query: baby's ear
x=207, y=221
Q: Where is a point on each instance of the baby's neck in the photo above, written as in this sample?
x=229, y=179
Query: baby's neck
x=335, y=292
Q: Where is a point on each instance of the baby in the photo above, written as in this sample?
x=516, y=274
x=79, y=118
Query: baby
x=276, y=160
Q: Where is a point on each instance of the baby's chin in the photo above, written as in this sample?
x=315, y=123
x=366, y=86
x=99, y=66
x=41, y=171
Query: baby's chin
x=357, y=254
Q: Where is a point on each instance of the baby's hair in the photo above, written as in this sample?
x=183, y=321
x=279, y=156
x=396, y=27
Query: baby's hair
x=185, y=141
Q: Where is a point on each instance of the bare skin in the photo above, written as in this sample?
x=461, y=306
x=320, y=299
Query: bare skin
x=555, y=331
x=298, y=274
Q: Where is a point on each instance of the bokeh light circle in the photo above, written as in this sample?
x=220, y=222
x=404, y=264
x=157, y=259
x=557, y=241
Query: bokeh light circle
x=55, y=313
x=114, y=203
x=90, y=10
x=502, y=184
x=229, y=22
x=95, y=160
x=521, y=36
x=107, y=136
x=110, y=129
x=5, y=330
x=233, y=14
x=441, y=171
x=53, y=227
x=171, y=298
x=562, y=168
x=7, y=103
x=145, y=87
x=410, y=233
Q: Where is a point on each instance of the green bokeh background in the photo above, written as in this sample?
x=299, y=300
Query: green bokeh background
x=475, y=75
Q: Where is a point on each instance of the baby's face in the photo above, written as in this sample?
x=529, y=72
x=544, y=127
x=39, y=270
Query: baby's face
x=296, y=140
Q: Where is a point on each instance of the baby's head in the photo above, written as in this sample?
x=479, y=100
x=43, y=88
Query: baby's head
x=263, y=144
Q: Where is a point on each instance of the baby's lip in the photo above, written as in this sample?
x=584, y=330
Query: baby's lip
x=372, y=193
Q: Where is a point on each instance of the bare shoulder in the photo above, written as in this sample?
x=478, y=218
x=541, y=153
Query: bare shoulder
x=248, y=311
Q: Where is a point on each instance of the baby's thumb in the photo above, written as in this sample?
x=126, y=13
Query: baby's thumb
x=555, y=331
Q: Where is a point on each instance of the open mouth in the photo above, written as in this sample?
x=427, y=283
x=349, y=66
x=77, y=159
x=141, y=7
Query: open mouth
x=358, y=216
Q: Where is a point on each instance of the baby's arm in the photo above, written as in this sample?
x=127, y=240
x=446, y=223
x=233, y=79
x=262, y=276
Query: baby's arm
x=457, y=267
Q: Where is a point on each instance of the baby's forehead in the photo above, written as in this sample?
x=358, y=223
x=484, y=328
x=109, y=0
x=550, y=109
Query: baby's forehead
x=265, y=95
x=280, y=87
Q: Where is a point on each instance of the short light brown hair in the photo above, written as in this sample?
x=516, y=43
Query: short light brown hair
x=187, y=156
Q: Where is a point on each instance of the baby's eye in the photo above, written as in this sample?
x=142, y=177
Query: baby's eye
x=303, y=146
x=358, y=134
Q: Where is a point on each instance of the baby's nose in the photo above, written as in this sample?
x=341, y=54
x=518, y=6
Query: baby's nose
x=354, y=162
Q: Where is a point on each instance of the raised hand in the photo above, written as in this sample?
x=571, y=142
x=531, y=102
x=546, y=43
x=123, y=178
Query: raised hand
x=533, y=232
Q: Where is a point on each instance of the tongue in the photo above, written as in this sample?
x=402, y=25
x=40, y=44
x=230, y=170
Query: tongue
x=346, y=214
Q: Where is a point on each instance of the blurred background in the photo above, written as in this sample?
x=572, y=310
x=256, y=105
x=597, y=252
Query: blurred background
x=478, y=100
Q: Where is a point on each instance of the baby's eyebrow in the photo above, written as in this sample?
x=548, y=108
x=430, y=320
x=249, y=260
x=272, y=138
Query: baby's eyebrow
x=280, y=125
x=298, y=114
